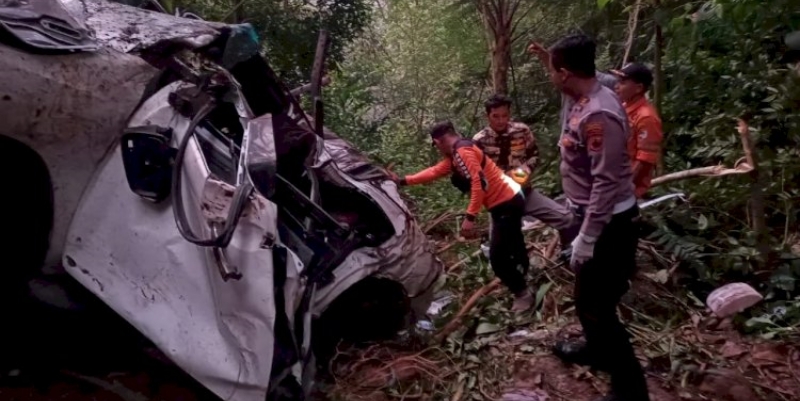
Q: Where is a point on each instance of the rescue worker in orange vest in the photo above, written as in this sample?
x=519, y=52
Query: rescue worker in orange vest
x=644, y=143
x=596, y=178
x=472, y=172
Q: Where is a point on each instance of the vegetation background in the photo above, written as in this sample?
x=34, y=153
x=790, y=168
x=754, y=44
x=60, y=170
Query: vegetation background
x=398, y=65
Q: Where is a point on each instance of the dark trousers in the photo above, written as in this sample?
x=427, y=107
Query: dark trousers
x=600, y=284
x=507, y=252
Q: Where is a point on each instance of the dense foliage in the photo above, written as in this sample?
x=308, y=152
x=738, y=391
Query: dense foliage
x=289, y=28
x=720, y=60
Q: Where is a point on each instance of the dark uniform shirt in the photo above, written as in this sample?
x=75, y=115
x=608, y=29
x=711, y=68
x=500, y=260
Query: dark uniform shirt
x=595, y=166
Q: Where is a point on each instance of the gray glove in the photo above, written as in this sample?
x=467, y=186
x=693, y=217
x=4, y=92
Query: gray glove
x=582, y=250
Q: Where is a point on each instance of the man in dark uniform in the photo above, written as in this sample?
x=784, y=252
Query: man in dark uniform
x=472, y=172
x=597, y=180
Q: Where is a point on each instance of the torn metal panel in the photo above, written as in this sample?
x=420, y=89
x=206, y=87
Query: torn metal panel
x=70, y=109
x=407, y=257
x=129, y=253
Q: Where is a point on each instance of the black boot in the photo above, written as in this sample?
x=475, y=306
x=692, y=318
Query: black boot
x=578, y=353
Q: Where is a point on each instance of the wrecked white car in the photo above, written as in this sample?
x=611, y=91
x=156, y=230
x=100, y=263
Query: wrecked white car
x=159, y=162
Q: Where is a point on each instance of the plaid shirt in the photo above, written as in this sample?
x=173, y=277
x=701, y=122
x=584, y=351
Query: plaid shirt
x=511, y=149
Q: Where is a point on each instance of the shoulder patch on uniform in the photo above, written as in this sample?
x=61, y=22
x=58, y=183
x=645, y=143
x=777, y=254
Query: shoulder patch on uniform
x=594, y=129
x=595, y=143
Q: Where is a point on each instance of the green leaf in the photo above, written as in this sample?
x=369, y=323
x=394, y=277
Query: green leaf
x=601, y=4
x=759, y=320
x=541, y=293
x=487, y=328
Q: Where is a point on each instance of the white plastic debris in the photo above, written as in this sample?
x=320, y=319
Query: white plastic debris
x=485, y=250
x=442, y=300
x=425, y=325
x=529, y=223
x=732, y=298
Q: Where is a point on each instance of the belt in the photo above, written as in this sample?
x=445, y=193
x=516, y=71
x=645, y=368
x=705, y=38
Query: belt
x=619, y=207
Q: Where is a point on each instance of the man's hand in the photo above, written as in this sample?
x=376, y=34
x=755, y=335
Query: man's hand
x=538, y=50
x=582, y=251
x=741, y=126
x=468, y=229
x=394, y=177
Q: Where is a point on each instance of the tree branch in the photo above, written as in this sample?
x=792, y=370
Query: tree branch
x=307, y=87
x=520, y=18
x=528, y=30
x=489, y=19
x=632, y=23
x=455, y=322
x=511, y=14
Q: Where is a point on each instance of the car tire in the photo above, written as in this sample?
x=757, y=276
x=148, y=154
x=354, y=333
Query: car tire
x=27, y=207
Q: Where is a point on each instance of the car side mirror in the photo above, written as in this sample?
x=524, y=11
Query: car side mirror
x=261, y=158
x=148, y=159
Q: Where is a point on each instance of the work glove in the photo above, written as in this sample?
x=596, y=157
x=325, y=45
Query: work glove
x=582, y=250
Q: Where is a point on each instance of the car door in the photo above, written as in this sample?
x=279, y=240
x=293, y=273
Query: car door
x=126, y=248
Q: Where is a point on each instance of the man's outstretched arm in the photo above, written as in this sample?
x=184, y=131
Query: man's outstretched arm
x=432, y=173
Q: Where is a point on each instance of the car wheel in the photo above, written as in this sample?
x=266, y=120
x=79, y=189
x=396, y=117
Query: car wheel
x=373, y=309
x=26, y=204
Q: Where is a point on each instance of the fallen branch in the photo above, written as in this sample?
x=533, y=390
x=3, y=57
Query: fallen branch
x=436, y=221
x=456, y=321
x=307, y=87
x=550, y=251
x=745, y=165
x=741, y=167
x=463, y=261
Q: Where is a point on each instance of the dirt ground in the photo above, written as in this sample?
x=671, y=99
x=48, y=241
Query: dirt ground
x=716, y=364
x=687, y=354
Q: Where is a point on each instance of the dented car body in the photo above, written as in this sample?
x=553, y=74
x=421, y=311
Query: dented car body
x=191, y=194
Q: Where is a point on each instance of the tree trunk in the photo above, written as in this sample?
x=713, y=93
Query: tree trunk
x=501, y=54
x=498, y=20
x=658, y=77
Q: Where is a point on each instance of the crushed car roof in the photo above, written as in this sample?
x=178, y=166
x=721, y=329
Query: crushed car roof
x=76, y=25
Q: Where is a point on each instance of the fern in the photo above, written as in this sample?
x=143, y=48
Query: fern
x=686, y=249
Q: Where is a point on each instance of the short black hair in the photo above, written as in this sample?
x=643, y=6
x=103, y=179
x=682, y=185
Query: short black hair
x=496, y=101
x=441, y=129
x=576, y=54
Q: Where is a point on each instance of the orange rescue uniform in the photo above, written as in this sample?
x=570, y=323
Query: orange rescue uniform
x=489, y=185
x=644, y=143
